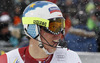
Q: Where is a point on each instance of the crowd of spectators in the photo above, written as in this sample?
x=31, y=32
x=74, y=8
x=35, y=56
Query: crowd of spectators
x=82, y=18
x=83, y=34
x=11, y=34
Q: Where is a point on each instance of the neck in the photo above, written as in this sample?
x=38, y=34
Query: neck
x=35, y=51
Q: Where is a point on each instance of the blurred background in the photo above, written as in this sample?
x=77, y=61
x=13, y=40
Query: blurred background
x=82, y=30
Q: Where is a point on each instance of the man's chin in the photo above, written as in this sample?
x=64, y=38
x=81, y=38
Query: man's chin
x=52, y=50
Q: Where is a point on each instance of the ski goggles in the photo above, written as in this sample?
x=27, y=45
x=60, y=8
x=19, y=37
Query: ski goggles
x=54, y=25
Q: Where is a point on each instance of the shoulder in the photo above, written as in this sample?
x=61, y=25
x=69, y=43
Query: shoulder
x=3, y=58
x=16, y=55
x=13, y=56
x=66, y=51
x=16, y=52
x=72, y=55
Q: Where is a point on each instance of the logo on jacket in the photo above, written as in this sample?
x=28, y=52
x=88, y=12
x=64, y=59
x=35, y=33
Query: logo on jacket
x=61, y=57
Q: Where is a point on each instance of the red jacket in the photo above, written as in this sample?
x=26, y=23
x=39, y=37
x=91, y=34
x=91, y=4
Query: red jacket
x=21, y=55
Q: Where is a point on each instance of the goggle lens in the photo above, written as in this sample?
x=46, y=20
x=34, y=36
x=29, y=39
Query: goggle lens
x=56, y=25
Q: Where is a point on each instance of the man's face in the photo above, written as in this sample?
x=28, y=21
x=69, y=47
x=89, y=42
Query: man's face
x=52, y=40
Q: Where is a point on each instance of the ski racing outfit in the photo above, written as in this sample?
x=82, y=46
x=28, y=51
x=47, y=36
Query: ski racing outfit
x=21, y=55
x=49, y=16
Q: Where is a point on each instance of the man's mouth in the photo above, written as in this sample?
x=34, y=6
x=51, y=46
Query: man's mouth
x=55, y=42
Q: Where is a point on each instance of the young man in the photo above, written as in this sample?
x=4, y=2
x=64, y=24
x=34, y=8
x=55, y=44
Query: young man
x=44, y=25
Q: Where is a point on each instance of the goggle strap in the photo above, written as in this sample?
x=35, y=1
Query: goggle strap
x=36, y=36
